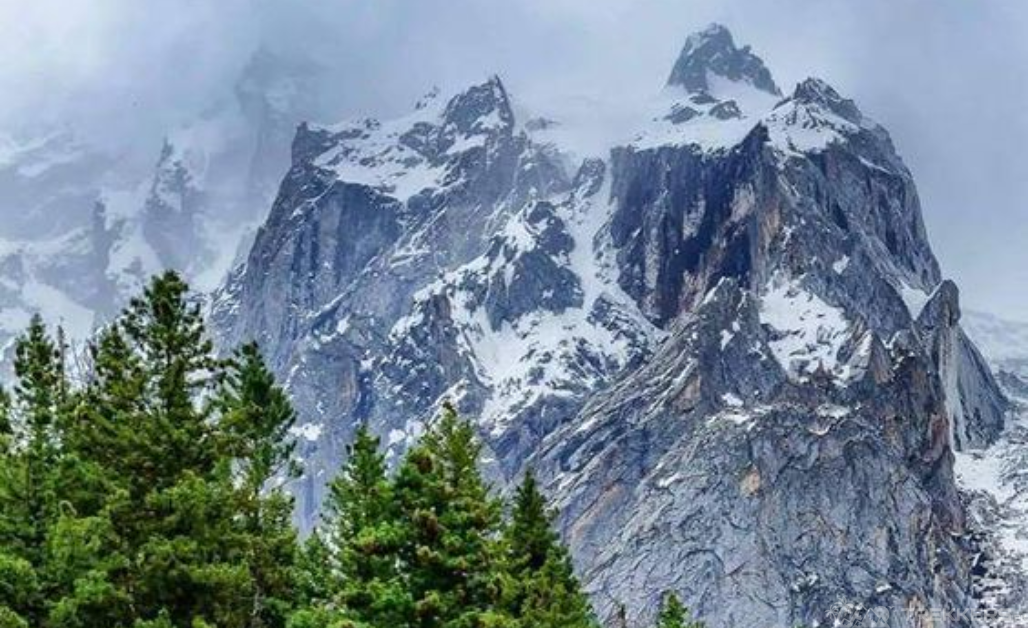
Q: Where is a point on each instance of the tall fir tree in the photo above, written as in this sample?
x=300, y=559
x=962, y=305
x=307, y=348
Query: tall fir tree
x=28, y=478
x=543, y=591
x=191, y=557
x=103, y=484
x=365, y=532
x=39, y=395
x=452, y=523
x=254, y=425
x=165, y=328
x=147, y=424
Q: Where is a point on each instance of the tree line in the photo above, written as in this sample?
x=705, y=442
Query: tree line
x=148, y=491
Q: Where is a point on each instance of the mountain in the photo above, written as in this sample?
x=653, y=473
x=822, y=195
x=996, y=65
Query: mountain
x=993, y=479
x=720, y=337
x=89, y=225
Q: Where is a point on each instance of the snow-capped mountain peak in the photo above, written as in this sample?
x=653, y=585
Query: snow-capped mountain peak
x=711, y=54
x=722, y=272
x=481, y=109
x=432, y=149
x=815, y=91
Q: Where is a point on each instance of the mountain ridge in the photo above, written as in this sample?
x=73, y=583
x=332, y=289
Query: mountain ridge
x=745, y=274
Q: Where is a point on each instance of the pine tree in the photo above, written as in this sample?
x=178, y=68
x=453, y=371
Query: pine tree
x=28, y=464
x=315, y=581
x=190, y=560
x=364, y=528
x=254, y=428
x=99, y=528
x=530, y=536
x=147, y=434
x=165, y=329
x=38, y=398
x=673, y=614
x=450, y=551
x=545, y=591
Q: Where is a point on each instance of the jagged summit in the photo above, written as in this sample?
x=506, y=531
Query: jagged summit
x=432, y=149
x=815, y=91
x=480, y=108
x=712, y=53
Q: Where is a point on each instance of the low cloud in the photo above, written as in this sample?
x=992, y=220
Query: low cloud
x=949, y=78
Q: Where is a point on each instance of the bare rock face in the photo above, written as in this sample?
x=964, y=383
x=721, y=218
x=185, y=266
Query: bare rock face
x=722, y=477
x=725, y=344
x=977, y=413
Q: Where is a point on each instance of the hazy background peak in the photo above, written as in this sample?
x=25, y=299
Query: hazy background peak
x=949, y=78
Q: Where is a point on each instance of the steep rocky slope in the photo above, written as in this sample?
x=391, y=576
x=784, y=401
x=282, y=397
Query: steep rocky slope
x=993, y=482
x=724, y=340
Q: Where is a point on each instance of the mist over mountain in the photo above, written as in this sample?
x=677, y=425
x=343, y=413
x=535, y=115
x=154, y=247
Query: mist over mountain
x=695, y=285
x=122, y=75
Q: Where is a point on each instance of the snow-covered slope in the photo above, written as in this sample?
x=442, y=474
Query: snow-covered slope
x=994, y=480
x=702, y=324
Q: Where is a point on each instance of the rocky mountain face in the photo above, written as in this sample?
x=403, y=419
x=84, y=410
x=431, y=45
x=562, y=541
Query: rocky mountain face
x=86, y=227
x=724, y=342
x=993, y=481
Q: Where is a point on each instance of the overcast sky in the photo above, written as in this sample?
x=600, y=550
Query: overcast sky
x=948, y=78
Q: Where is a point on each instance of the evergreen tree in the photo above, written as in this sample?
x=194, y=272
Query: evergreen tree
x=100, y=528
x=529, y=535
x=365, y=532
x=177, y=548
x=30, y=458
x=190, y=556
x=255, y=427
x=546, y=593
x=19, y=591
x=449, y=551
x=38, y=397
x=314, y=577
x=166, y=331
x=673, y=614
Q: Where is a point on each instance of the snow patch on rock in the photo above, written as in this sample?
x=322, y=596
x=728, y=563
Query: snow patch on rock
x=808, y=333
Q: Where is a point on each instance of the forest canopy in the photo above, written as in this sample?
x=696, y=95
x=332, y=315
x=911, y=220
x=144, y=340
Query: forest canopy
x=149, y=490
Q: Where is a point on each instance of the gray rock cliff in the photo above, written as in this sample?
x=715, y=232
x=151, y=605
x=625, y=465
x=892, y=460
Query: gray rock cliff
x=725, y=343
